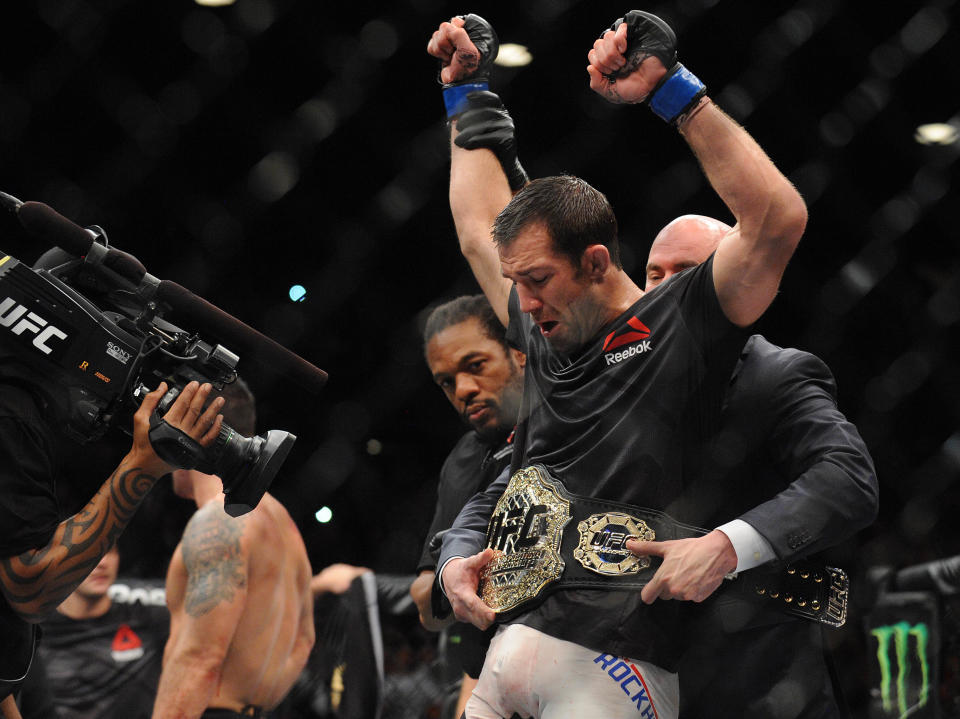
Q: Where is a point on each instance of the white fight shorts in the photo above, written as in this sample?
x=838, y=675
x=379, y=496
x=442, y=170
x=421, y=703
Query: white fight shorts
x=535, y=675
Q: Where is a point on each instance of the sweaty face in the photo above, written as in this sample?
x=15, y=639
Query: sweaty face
x=554, y=292
x=102, y=576
x=482, y=380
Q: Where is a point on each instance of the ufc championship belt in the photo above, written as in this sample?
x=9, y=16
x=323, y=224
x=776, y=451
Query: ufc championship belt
x=547, y=539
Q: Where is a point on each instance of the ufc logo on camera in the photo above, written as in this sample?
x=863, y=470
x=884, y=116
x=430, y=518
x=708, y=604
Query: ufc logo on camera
x=23, y=323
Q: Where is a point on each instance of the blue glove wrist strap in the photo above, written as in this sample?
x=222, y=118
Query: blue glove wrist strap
x=675, y=96
x=455, y=96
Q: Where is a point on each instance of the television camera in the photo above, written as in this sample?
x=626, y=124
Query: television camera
x=87, y=327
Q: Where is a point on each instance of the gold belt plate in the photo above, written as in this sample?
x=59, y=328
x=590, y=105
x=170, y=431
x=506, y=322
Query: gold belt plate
x=526, y=530
x=603, y=539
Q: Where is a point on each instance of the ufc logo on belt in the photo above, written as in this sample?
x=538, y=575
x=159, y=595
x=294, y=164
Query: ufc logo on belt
x=517, y=528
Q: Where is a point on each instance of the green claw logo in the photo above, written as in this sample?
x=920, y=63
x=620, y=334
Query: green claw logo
x=900, y=633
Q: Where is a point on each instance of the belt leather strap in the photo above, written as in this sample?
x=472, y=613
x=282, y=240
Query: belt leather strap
x=548, y=539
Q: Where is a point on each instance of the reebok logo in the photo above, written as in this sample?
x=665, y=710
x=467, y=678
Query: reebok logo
x=126, y=645
x=638, y=349
x=633, y=332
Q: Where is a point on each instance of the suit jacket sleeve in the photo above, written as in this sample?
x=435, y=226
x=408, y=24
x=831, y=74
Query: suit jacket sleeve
x=466, y=537
x=450, y=495
x=832, y=490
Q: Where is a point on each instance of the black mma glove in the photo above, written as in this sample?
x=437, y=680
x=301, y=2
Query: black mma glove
x=486, y=123
x=680, y=90
x=482, y=35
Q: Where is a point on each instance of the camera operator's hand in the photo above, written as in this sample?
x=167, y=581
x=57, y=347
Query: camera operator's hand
x=186, y=414
x=35, y=581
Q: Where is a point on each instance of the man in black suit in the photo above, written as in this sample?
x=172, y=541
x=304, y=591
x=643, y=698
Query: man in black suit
x=797, y=477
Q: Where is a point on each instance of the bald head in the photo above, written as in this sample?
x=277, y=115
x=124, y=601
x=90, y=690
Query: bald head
x=685, y=242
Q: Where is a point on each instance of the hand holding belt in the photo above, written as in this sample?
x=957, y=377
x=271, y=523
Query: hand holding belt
x=537, y=557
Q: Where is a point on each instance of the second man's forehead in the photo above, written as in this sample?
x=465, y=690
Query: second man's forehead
x=461, y=350
x=675, y=265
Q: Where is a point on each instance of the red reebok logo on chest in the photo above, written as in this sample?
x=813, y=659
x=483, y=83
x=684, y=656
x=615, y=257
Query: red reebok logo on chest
x=634, y=331
x=126, y=645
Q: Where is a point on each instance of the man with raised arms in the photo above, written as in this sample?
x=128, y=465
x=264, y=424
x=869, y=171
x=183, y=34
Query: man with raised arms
x=625, y=431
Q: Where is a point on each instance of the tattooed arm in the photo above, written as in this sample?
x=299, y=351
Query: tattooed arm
x=38, y=580
x=206, y=593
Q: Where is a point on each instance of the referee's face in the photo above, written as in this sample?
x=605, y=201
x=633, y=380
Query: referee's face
x=482, y=379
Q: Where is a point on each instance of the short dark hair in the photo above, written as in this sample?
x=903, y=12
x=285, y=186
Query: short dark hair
x=240, y=408
x=460, y=310
x=575, y=215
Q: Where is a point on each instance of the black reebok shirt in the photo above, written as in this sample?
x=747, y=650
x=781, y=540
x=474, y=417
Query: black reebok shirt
x=108, y=667
x=624, y=419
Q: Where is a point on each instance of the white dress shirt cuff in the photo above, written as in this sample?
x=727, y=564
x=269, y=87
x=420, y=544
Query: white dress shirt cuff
x=752, y=548
x=440, y=573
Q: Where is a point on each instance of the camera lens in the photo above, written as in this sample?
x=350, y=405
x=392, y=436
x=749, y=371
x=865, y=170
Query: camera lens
x=245, y=465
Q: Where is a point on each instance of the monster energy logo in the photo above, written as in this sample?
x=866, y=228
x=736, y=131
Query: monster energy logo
x=900, y=634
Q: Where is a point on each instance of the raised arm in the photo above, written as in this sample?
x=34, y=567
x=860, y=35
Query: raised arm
x=770, y=213
x=38, y=580
x=479, y=188
x=478, y=191
x=636, y=62
x=212, y=562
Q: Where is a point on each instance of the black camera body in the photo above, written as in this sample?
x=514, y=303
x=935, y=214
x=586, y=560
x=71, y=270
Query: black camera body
x=94, y=342
x=93, y=356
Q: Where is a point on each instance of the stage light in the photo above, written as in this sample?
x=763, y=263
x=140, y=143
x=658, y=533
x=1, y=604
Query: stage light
x=215, y=3
x=324, y=515
x=298, y=293
x=513, y=55
x=937, y=133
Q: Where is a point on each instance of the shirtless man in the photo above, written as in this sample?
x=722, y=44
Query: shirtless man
x=241, y=609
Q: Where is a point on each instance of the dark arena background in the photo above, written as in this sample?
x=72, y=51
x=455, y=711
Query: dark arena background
x=245, y=149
